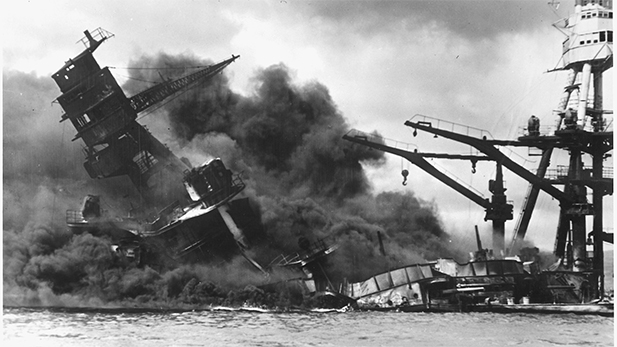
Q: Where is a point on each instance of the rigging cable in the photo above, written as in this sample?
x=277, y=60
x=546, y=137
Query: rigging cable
x=159, y=68
x=137, y=79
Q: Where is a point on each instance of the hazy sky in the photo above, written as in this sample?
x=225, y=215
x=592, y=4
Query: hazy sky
x=479, y=63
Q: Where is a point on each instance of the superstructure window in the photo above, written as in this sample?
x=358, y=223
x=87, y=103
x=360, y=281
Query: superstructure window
x=602, y=36
x=81, y=121
x=609, y=36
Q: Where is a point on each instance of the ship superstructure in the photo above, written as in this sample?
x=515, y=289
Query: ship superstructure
x=583, y=131
x=198, y=217
x=105, y=119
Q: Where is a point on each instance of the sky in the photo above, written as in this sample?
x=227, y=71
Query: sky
x=479, y=63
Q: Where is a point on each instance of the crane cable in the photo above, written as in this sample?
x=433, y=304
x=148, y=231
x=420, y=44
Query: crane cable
x=159, y=68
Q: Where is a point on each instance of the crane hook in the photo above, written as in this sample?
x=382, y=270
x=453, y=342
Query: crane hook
x=405, y=173
x=473, y=167
x=415, y=132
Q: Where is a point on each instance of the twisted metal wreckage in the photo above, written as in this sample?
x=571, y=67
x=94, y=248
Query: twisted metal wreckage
x=216, y=224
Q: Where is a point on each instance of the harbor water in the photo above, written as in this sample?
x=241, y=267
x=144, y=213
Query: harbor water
x=83, y=327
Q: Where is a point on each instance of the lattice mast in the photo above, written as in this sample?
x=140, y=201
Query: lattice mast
x=582, y=125
x=105, y=119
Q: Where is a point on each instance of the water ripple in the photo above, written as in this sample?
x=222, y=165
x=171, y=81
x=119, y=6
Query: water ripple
x=57, y=327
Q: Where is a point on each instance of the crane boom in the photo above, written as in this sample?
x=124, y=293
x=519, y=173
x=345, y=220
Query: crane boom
x=498, y=210
x=159, y=92
x=418, y=160
x=487, y=148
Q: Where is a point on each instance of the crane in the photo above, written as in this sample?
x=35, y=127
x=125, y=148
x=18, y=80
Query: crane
x=574, y=206
x=159, y=92
x=497, y=209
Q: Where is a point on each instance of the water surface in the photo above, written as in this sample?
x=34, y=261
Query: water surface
x=86, y=327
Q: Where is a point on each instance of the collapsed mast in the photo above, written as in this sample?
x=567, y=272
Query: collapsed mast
x=106, y=120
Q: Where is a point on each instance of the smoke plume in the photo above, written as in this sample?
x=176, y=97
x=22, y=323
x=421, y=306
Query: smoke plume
x=308, y=181
x=286, y=140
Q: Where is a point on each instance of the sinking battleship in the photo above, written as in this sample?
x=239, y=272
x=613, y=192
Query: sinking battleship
x=201, y=217
x=199, y=214
x=496, y=280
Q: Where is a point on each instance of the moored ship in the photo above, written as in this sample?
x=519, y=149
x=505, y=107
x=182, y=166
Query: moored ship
x=201, y=216
x=575, y=283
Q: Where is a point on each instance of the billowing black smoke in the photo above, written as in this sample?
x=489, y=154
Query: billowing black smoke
x=284, y=137
x=309, y=182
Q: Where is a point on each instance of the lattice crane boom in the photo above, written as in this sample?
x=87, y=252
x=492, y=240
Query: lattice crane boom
x=159, y=92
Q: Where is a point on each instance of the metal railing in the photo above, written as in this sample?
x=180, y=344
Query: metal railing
x=461, y=129
x=561, y=172
x=451, y=126
x=97, y=34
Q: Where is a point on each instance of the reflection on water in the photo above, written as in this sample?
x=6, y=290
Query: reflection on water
x=62, y=327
